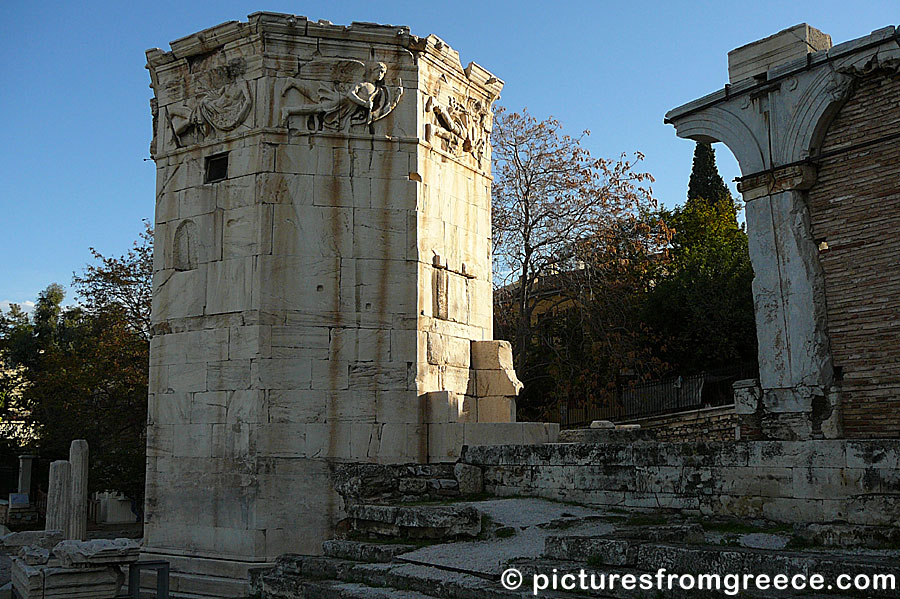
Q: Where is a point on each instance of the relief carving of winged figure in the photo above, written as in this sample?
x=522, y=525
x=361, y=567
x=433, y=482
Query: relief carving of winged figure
x=222, y=109
x=341, y=93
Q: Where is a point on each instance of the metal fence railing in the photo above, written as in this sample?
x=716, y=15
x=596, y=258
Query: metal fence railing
x=656, y=398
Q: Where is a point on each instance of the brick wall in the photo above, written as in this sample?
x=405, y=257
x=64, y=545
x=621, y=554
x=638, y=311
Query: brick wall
x=709, y=424
x=855, y=209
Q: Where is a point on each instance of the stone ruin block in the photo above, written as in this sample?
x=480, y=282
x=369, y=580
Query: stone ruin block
x=73, y=569
x=73, y=554
x=755, y=58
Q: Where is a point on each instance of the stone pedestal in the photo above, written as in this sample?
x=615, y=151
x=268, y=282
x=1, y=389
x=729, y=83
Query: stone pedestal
x=73, y=569
x=322, y=262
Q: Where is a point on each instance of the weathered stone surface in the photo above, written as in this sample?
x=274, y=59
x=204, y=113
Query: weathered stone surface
x=492, y=355
x=497, y=382
x=823, y=297
x=497, y=409
x=430, y=522
x=44, y=581
x=364, y=552
x=608, y=552
x=604, y=435
x=97, y=552
x=311, y=292
x=464, y=569
x=45, y=539
x=470, y=478
x=394, y=483
x=25, y=463
x=803, y=482
x=58, y=495
x=78, y=512
x=755, y=58
x=34, y=556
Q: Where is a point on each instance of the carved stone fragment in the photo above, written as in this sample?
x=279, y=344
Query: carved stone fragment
x=83, y=554
x=354, y=95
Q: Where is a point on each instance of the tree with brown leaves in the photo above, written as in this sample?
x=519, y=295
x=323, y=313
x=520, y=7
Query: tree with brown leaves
x=574, y=242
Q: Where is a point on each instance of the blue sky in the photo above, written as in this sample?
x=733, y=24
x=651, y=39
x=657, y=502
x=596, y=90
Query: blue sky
x=75, y=120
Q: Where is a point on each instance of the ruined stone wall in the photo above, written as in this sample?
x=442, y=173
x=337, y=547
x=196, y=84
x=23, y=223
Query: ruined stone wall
x=388, y=484
x=855, y=210
x=856, y=482
x=284, y=307
x=453, y=220
x=322, y=267
x=709, y=424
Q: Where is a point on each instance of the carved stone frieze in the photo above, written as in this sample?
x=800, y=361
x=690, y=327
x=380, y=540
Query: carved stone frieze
x=221, y=109
x=461, y=126
x=339, y=95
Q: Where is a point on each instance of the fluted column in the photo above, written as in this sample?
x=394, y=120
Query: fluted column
x=59, y=496
x=78, y=457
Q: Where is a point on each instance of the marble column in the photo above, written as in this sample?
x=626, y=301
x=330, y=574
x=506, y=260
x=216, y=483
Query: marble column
x=58, y=496
x=78, y=457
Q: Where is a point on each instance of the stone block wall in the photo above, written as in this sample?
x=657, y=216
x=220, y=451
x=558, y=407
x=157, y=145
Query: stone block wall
x=855, y=212
x=395, y=483
x=322, y=263
x=709, y=424
x=856, y=482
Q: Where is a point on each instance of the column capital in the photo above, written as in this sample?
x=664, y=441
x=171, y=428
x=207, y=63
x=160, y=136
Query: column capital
x=784, y=178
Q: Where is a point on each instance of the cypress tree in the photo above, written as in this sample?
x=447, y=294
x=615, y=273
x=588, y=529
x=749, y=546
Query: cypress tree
x=706, y=183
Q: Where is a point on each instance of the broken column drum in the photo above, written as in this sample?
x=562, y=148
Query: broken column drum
x=322, y=261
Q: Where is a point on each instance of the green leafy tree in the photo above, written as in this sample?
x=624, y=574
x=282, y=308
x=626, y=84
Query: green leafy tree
x=80, y=372
x=702, y=309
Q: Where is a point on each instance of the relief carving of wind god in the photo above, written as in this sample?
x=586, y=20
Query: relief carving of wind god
x=222, y=109
x=462, y=126
x=340, y=94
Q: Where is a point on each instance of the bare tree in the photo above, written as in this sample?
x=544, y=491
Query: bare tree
x=565, y=224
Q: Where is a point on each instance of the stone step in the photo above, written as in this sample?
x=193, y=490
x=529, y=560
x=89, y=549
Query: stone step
x=758, y=561
x=291, y=575
x=530, y=567
x=365, y=552
x=414, y=522
x=649, y=557
x=330, y=589
x=151, y=594
x=292, y=571
x=183, y=585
